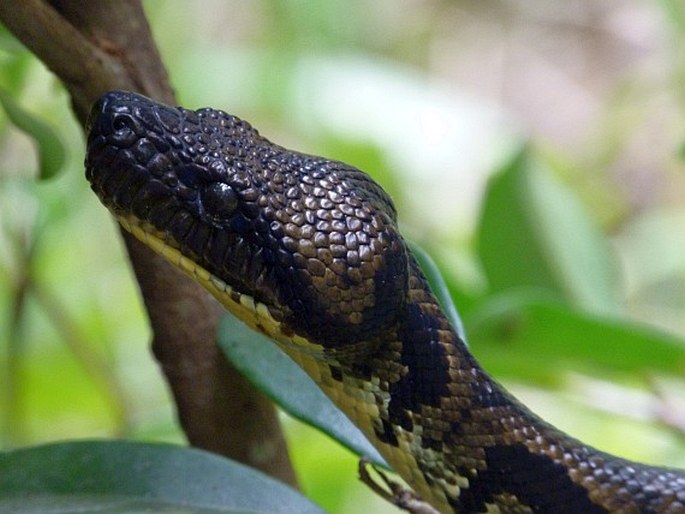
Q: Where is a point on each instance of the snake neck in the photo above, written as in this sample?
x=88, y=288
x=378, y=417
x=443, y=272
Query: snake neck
x=462, y=441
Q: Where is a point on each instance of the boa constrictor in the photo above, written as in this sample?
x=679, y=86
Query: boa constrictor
x=307, y=250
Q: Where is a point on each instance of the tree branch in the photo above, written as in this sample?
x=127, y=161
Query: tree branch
x=94, y=47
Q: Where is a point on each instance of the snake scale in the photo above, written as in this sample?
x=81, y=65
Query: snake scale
x=306, y=250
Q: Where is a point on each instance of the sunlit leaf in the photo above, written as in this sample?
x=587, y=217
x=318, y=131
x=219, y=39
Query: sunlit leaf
x=114, y=476
x=534, y=233
x=532, y=338
x=275, y=374
x=51, y=151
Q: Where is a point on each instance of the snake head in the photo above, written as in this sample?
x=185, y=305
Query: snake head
x=308, y=242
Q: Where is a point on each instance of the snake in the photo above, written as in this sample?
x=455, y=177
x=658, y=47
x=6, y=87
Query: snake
x=307, y=251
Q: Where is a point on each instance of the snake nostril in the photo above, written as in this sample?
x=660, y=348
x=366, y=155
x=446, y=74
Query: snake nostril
x=121, y=122
x=124, y=130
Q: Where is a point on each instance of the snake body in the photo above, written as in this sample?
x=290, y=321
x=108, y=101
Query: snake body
x=306, y=250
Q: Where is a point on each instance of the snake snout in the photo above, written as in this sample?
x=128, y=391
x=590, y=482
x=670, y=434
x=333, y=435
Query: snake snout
x=131, y=162
x=155, y=167
x=123, y=118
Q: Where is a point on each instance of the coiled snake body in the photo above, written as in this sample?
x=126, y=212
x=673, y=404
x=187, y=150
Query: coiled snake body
x=306, y=250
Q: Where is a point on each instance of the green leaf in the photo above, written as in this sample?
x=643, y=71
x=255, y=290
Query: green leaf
x=534, y=233
x=117, y=476
x=51, y=151
x=439, y=288
x=526, y=336
x=275, y=374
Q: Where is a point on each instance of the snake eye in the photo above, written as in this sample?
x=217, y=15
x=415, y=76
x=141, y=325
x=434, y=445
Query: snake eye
x=219, y=200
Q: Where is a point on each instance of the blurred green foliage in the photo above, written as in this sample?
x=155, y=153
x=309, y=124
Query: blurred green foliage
x=565, y=260
x=119, y=476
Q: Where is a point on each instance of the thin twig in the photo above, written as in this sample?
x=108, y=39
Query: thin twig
x=75, y=60
x=398, y=495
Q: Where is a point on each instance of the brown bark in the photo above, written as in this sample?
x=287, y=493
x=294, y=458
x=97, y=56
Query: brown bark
x=94, y=47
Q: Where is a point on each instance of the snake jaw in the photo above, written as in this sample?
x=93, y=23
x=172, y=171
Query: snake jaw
x=255, y=314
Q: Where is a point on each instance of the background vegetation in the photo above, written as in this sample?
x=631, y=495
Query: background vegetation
x=564, y=259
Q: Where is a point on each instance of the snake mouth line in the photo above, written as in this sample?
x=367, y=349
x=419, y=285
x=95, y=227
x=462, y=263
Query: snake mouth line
x=254, y=313
x=165, y=247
